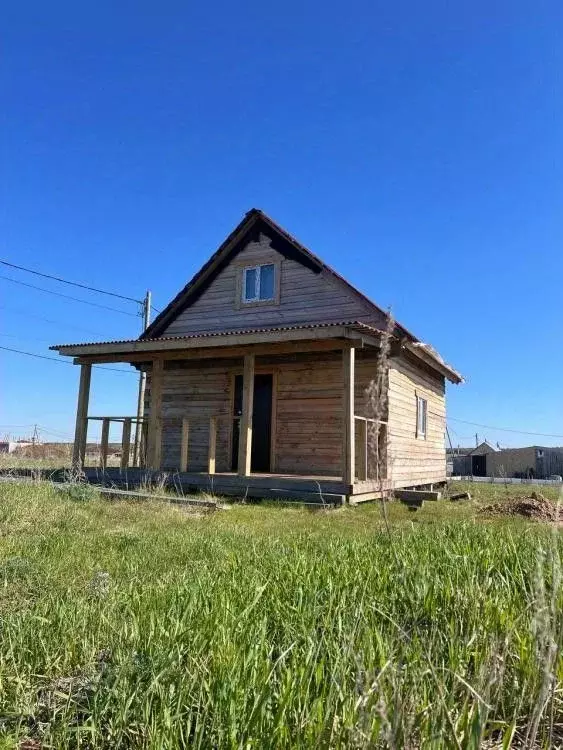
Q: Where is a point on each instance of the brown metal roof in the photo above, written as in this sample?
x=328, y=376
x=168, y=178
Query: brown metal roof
x=230, y=332
x=417, y=348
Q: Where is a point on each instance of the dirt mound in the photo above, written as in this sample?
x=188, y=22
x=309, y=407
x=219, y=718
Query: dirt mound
x=536, y=507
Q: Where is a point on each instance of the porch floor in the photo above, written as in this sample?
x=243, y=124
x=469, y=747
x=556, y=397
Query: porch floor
x=316, y=489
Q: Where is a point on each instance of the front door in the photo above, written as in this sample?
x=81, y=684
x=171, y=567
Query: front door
x=261, y=423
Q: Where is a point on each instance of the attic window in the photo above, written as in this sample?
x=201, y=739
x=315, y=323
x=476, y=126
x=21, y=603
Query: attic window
x=258, y=283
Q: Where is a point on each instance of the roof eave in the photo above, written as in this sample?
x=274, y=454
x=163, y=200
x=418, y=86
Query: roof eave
x=356, y=332
x=436, y=363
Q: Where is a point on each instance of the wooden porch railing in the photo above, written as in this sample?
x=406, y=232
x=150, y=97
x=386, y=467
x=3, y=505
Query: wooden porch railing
x=212, y=445
x=127, y=422
x=363, y=469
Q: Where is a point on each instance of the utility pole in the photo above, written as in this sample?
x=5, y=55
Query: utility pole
x=476, y=440
x=146, y=312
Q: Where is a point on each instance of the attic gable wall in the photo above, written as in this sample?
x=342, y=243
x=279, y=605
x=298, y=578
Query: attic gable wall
x=305, y=296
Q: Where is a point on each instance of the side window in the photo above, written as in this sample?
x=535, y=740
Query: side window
x=421, y=417
x=258, y=283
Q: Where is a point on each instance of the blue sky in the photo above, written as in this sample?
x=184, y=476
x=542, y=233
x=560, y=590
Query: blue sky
x=416, y=147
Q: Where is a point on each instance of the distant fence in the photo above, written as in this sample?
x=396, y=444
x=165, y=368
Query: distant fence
x=505, y=480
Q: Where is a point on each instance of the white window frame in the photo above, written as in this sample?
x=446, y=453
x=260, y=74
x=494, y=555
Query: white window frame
x=257, y=298
x=421, y=417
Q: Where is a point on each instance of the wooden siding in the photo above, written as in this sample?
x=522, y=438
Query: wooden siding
x=308, y=415
x=196, y=394
x=413, y=460
x=307, y=418
x=305, y=296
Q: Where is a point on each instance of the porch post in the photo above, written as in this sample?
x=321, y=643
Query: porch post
x=81, y=429
x=349, y=438
x=104, y=443
x=154, y=440
x=245, y=438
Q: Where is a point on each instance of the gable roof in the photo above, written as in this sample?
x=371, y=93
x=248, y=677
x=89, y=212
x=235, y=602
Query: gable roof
x=483, y=447
x=254, y=223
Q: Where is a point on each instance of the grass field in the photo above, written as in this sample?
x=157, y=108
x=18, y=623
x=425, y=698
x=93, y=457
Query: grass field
x=148, y=625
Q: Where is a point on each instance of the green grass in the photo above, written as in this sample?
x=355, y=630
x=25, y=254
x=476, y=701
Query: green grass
x=146, y=625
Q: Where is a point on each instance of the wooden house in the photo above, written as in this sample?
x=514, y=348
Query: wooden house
x=258, y=374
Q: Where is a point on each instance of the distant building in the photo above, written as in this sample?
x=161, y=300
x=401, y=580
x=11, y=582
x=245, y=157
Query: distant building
x=471, y=461
x=10, y=446
x=534, y=462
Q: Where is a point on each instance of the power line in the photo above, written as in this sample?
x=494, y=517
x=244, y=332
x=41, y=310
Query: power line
x=41, y=428
x=26, y=338
x=55, y=433
x=68, y=296
x=48, y=320
x=72, y=283
x=505, y=429
x=62, y=361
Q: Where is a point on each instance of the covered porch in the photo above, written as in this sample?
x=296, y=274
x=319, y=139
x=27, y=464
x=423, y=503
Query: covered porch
x=272, y=413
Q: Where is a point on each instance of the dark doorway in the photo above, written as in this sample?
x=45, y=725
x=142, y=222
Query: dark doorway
x=261, y=423
x=479, y=466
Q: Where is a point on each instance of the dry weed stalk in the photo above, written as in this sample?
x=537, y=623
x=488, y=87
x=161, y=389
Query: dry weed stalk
x=376, y=413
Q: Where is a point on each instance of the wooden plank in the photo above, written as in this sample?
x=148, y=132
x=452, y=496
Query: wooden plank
x=212, y=445
x=104, y=443
x=233, y=425
x=305, y=345
x=409, y=495
x=126, y=442
x=143, y=448
x=81, y=429
x=152, y=347
x=365, y=450
x=154, y=447
x=158, y=443
x=113, y=419
x=245, y=439
x=184, y=446
x=349, y=436
x=365, y=497
x=223, y=480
